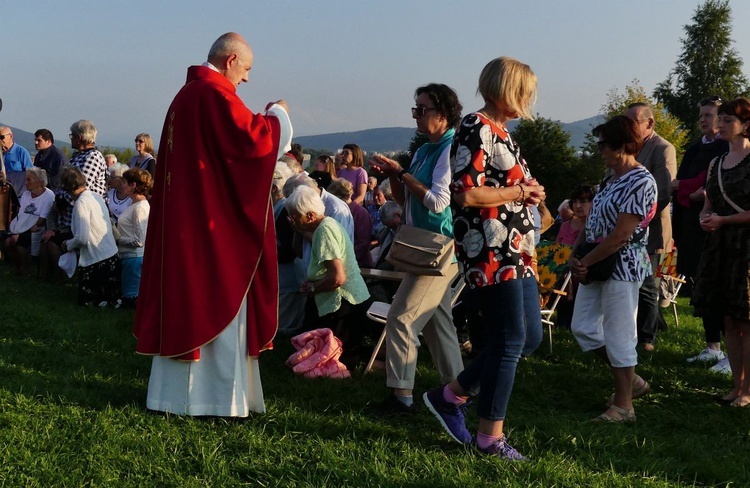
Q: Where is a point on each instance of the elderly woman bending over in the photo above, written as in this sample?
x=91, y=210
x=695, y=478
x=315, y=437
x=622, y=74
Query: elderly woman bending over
x=333, y=277
x=604, y=317
x=99, y=282
x=26, y=228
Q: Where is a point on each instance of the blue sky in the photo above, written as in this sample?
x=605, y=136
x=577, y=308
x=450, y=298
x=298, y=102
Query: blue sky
x=341, y=65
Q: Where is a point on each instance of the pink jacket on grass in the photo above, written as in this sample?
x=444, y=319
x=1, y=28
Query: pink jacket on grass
x=317, y=355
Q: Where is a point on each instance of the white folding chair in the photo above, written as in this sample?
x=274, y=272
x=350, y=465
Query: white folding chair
x=378, y=312
x=670, y=282
x=549, y=308
x=553, y=277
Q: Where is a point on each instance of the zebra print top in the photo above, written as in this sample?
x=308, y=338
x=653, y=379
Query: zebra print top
x=632, y=193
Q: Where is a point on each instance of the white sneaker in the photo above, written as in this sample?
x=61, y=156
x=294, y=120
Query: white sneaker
x=707, y=355
x=721, y=367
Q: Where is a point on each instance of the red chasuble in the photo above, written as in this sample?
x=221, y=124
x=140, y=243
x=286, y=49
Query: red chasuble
x=211, y=237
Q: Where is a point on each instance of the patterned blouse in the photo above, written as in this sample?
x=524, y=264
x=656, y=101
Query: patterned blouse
x=493, y=244
x=632, y=193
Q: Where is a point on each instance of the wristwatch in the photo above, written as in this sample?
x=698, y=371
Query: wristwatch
x=401, y=175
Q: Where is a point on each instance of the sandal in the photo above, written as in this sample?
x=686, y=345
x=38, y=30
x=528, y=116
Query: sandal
x=741, y=401
x=639, y=392
x=728, y=398
x=615, y=414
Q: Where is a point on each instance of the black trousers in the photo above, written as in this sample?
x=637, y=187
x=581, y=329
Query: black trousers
x=649, y=320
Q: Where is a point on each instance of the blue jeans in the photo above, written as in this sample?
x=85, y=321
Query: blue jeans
x=513, y=324
x=131, y=276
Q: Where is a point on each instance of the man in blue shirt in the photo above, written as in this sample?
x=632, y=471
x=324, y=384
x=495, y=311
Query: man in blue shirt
x=17, y=158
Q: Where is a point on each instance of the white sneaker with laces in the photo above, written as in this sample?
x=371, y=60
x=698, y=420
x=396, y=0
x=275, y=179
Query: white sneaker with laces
x=707, y=355
x=721, y=367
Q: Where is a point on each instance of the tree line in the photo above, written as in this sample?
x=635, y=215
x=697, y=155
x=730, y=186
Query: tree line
x=707, y=66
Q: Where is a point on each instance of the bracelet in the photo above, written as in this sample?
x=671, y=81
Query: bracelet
x=400, y=175
x=522, y=197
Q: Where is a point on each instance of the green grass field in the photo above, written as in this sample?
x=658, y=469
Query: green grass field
x=72, y=412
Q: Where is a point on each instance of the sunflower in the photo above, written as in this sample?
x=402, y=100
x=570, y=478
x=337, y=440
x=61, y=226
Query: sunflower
x=562, y=255
x=547, y=279
x=543, y=251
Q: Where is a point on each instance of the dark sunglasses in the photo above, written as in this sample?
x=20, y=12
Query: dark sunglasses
x=139, y=140
x=420, y=111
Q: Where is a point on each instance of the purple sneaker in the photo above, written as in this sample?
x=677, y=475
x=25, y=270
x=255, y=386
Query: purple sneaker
x=502, y=450
x=451, y=417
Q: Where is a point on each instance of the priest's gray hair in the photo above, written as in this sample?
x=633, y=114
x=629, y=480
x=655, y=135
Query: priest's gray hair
x=301, y=179
x=226, y=45
x=303, y=200
x=85, y=130
x=39, y=174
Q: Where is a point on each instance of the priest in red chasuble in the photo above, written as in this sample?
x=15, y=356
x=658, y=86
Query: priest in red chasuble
x=208, y=302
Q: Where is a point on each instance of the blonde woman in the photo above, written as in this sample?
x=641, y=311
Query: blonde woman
x=145, y=159
x=492, y=191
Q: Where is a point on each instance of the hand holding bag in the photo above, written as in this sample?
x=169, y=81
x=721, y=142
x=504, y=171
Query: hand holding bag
x=602, y=270
x=420, y=251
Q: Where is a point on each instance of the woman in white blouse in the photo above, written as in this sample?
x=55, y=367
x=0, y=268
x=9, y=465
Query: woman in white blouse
x=99, y=282
x=132, y=224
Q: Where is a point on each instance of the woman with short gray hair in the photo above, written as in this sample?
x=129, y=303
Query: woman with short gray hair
x=334, y=286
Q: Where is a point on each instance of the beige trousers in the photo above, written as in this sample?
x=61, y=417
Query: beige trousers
x=422, y=304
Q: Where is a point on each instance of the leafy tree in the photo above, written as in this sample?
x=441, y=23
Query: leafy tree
x=707, y=66
x=666, y=125
x=546, y=147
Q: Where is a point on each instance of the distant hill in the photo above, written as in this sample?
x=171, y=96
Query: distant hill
x=370, y=140
x=389, y=139
x=26, y=139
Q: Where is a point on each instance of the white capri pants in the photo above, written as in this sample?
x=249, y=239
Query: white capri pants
x=605, y=315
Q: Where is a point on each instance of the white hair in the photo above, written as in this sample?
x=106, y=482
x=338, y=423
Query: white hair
x=565, y=204
x=117, y=169
x=281, y=174
x=389, y=210
x=300, y=179
x=385, y=187
x=39, y=173
x=303, y=200
x=86, y=130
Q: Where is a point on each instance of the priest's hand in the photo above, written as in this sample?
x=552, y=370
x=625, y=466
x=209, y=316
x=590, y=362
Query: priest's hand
x=278, y=102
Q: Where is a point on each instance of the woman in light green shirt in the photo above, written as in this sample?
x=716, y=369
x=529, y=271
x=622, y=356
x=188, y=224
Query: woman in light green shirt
x=336, y=292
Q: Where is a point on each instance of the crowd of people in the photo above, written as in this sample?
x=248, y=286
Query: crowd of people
x=75, y=208
x=256, y=244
